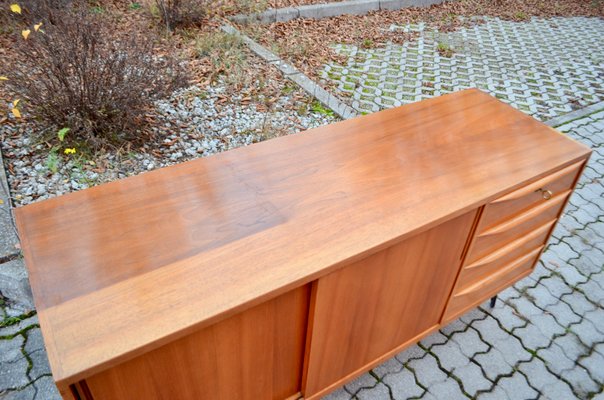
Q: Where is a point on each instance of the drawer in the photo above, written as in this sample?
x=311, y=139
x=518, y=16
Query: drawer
x=518, y=226
x=493, y=262
x=528, y=196
x=472, y=295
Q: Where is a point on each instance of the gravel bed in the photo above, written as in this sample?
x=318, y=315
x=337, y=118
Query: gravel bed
x=192, y=123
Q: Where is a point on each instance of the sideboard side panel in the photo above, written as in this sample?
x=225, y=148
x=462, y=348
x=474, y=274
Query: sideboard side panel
x=375, y=305
x=257, y=354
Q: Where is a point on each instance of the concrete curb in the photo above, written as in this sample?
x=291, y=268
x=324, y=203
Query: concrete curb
x=8, y=233
x=292, y=73
x=566, y=118
x=326, y=10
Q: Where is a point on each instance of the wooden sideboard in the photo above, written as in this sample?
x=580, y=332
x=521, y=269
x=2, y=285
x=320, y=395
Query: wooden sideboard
x=287, y=268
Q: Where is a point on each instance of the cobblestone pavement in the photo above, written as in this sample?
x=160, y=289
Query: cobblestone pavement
x=545, y=67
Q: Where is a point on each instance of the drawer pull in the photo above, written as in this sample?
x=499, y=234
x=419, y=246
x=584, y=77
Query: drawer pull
x=547, y=194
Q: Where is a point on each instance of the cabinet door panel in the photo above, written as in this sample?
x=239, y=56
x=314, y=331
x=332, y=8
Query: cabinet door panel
x=371, y=307
x=254, y=355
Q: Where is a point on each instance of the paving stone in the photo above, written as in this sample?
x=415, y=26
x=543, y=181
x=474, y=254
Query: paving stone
x=339, y=394
x=514, y=73
x=47, y=389
x=599, y=348
x=523, y=285
x=19, y=326
x=596, y=317
x=493, y=364
x=594, y=363
x=531, y=337
x=525, y=307
x=455, y=326
x=27, y=393
x=380, y=391
x=13, y=375
x=389, y=367
x=472, y=379
x=557, y=254
x=450, y=356
x=563, y=314
x=544, y=381
x=598, y=278
x=517, y=387
x=496, y=394
x=541, y=296
x=578, y=302
x=10, y=350
x=410, y=353
x=473, y=315
x=556, y=286
x=571, y=275
x=470, y=343
x=582, y=383
x=40, y=365
x=426, y=371
x=587, y=333
x=571, y=346
x=594, y=293
x=548, y=325
x=558, y=390
x=509, y=293
x=541, y=271
x=14, y=287
x=34, y=341
x=363, y=381
x=435, y=338
x=448, y=389
x=403, y=385
x=555, y=359
x=512, y=350
x=490, y=330
x=589, y=263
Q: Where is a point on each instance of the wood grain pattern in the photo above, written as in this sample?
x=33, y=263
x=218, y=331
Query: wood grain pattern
x=528, y=196
x=475, y=294
x=374, y=305
x=206, y=239
x=492, y=262
x=254, y=355
x=500, y=235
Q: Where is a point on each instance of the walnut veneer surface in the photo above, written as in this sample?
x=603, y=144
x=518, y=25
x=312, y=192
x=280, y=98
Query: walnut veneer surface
x=121, y=269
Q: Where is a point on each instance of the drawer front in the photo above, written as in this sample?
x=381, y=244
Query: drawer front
x=493, y=262
x=528, y=196
x=475, y=294
x=500, y=235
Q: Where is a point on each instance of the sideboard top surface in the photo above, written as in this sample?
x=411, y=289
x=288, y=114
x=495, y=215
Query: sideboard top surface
x=126, y=266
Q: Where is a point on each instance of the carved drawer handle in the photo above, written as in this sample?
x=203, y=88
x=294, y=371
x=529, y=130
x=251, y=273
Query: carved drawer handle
x=547, y=194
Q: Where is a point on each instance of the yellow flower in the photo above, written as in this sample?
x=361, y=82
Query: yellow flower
x=16, y=112
x=16, y=102
x=3, y=78
x=70, y=151
x=25, y=33
x=37, y=26
x=16, y=8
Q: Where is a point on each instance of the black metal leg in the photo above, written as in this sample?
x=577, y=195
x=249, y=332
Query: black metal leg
x=493, y=300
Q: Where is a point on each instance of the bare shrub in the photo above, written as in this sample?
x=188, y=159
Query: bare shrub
x=33, y=11
x=181, y=13
x=78, y=73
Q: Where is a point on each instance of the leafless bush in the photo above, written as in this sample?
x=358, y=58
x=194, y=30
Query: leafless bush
x=181, y=13
x=33, y=11
x=78, y=73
